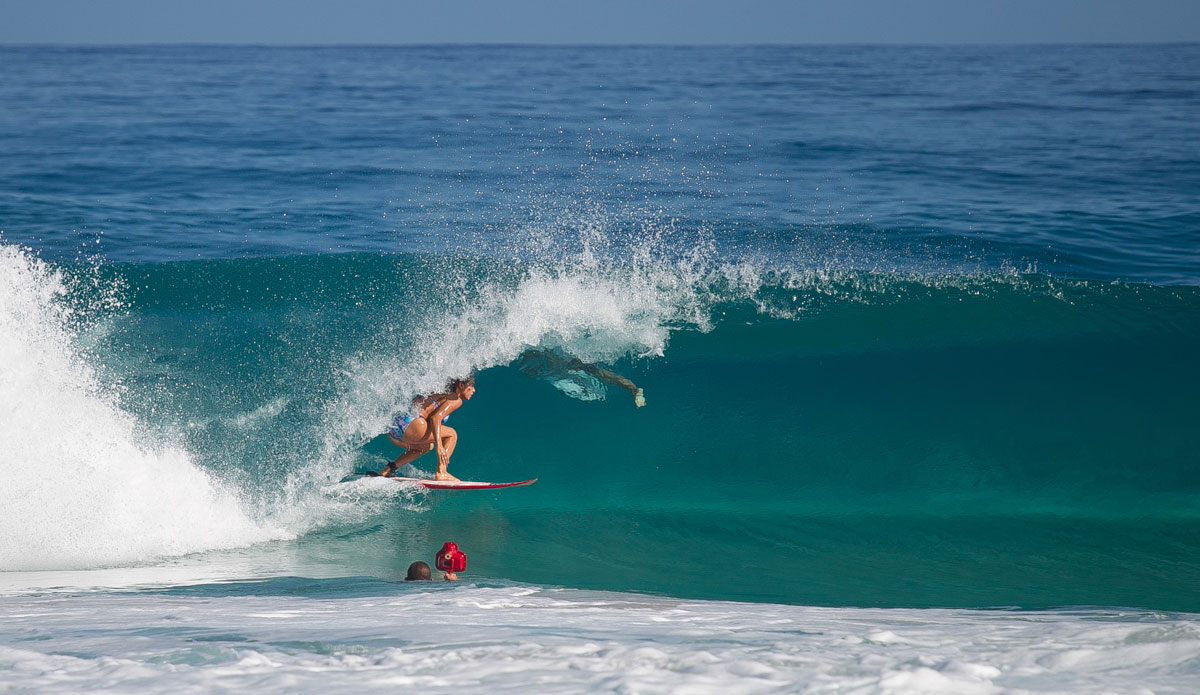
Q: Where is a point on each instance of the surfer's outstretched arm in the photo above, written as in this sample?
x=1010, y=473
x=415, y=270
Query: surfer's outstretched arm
x=611, y=377
x=551, y=363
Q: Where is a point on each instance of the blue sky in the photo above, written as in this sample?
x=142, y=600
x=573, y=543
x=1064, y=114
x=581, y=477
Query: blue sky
x=603, y=21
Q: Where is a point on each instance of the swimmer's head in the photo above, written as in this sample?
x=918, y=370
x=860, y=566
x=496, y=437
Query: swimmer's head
x=418, y=571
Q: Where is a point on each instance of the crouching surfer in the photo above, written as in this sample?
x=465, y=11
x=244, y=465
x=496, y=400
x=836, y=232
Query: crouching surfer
x=428, y=430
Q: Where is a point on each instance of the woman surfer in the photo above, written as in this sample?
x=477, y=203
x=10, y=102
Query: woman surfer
x=428, y=431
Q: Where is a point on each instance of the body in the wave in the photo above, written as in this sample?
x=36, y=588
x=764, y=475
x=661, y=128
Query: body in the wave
x=573, y=376
x=428, y=431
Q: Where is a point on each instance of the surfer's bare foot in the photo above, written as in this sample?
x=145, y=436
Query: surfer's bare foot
x=442, y=475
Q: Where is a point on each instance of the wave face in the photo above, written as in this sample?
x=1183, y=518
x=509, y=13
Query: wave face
x=811, y=437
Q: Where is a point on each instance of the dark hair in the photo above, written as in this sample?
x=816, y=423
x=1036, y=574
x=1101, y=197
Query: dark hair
x=418, y=571
x=454, y=385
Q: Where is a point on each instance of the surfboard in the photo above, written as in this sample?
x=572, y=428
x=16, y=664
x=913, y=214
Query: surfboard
x=460, y=484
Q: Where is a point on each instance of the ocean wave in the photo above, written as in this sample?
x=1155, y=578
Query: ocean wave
x=79, y=485
x=869, y=394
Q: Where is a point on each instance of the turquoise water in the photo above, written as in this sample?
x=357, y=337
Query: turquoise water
x=917, y=327
x=855, y=439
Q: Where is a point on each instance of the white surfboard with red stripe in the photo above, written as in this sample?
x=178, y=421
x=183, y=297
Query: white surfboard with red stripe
x=461, y=484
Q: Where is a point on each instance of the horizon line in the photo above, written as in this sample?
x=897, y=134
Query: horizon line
x=531, y=44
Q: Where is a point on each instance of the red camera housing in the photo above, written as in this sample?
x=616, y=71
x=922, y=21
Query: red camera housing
x=450, y=558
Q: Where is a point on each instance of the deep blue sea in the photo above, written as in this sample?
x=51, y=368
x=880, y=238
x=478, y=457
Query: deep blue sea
x=917, y=330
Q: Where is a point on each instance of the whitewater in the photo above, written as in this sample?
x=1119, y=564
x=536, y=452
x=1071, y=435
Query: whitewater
x=305, y=635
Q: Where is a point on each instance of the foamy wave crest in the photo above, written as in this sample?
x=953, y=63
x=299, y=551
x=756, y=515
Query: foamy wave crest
x=77, y=487
x=593, y=303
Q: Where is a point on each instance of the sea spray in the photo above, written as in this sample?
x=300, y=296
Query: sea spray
x=79, y=485
x=599, y=302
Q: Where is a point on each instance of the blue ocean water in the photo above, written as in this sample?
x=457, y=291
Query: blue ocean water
x=916, y=329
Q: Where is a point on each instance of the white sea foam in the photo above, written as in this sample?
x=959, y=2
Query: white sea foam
x=78, y=488
x=347, y=503
x=519, y=639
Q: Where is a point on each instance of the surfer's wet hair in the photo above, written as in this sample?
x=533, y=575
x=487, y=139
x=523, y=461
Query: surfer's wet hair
x=418, y=571
x=454, y=385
